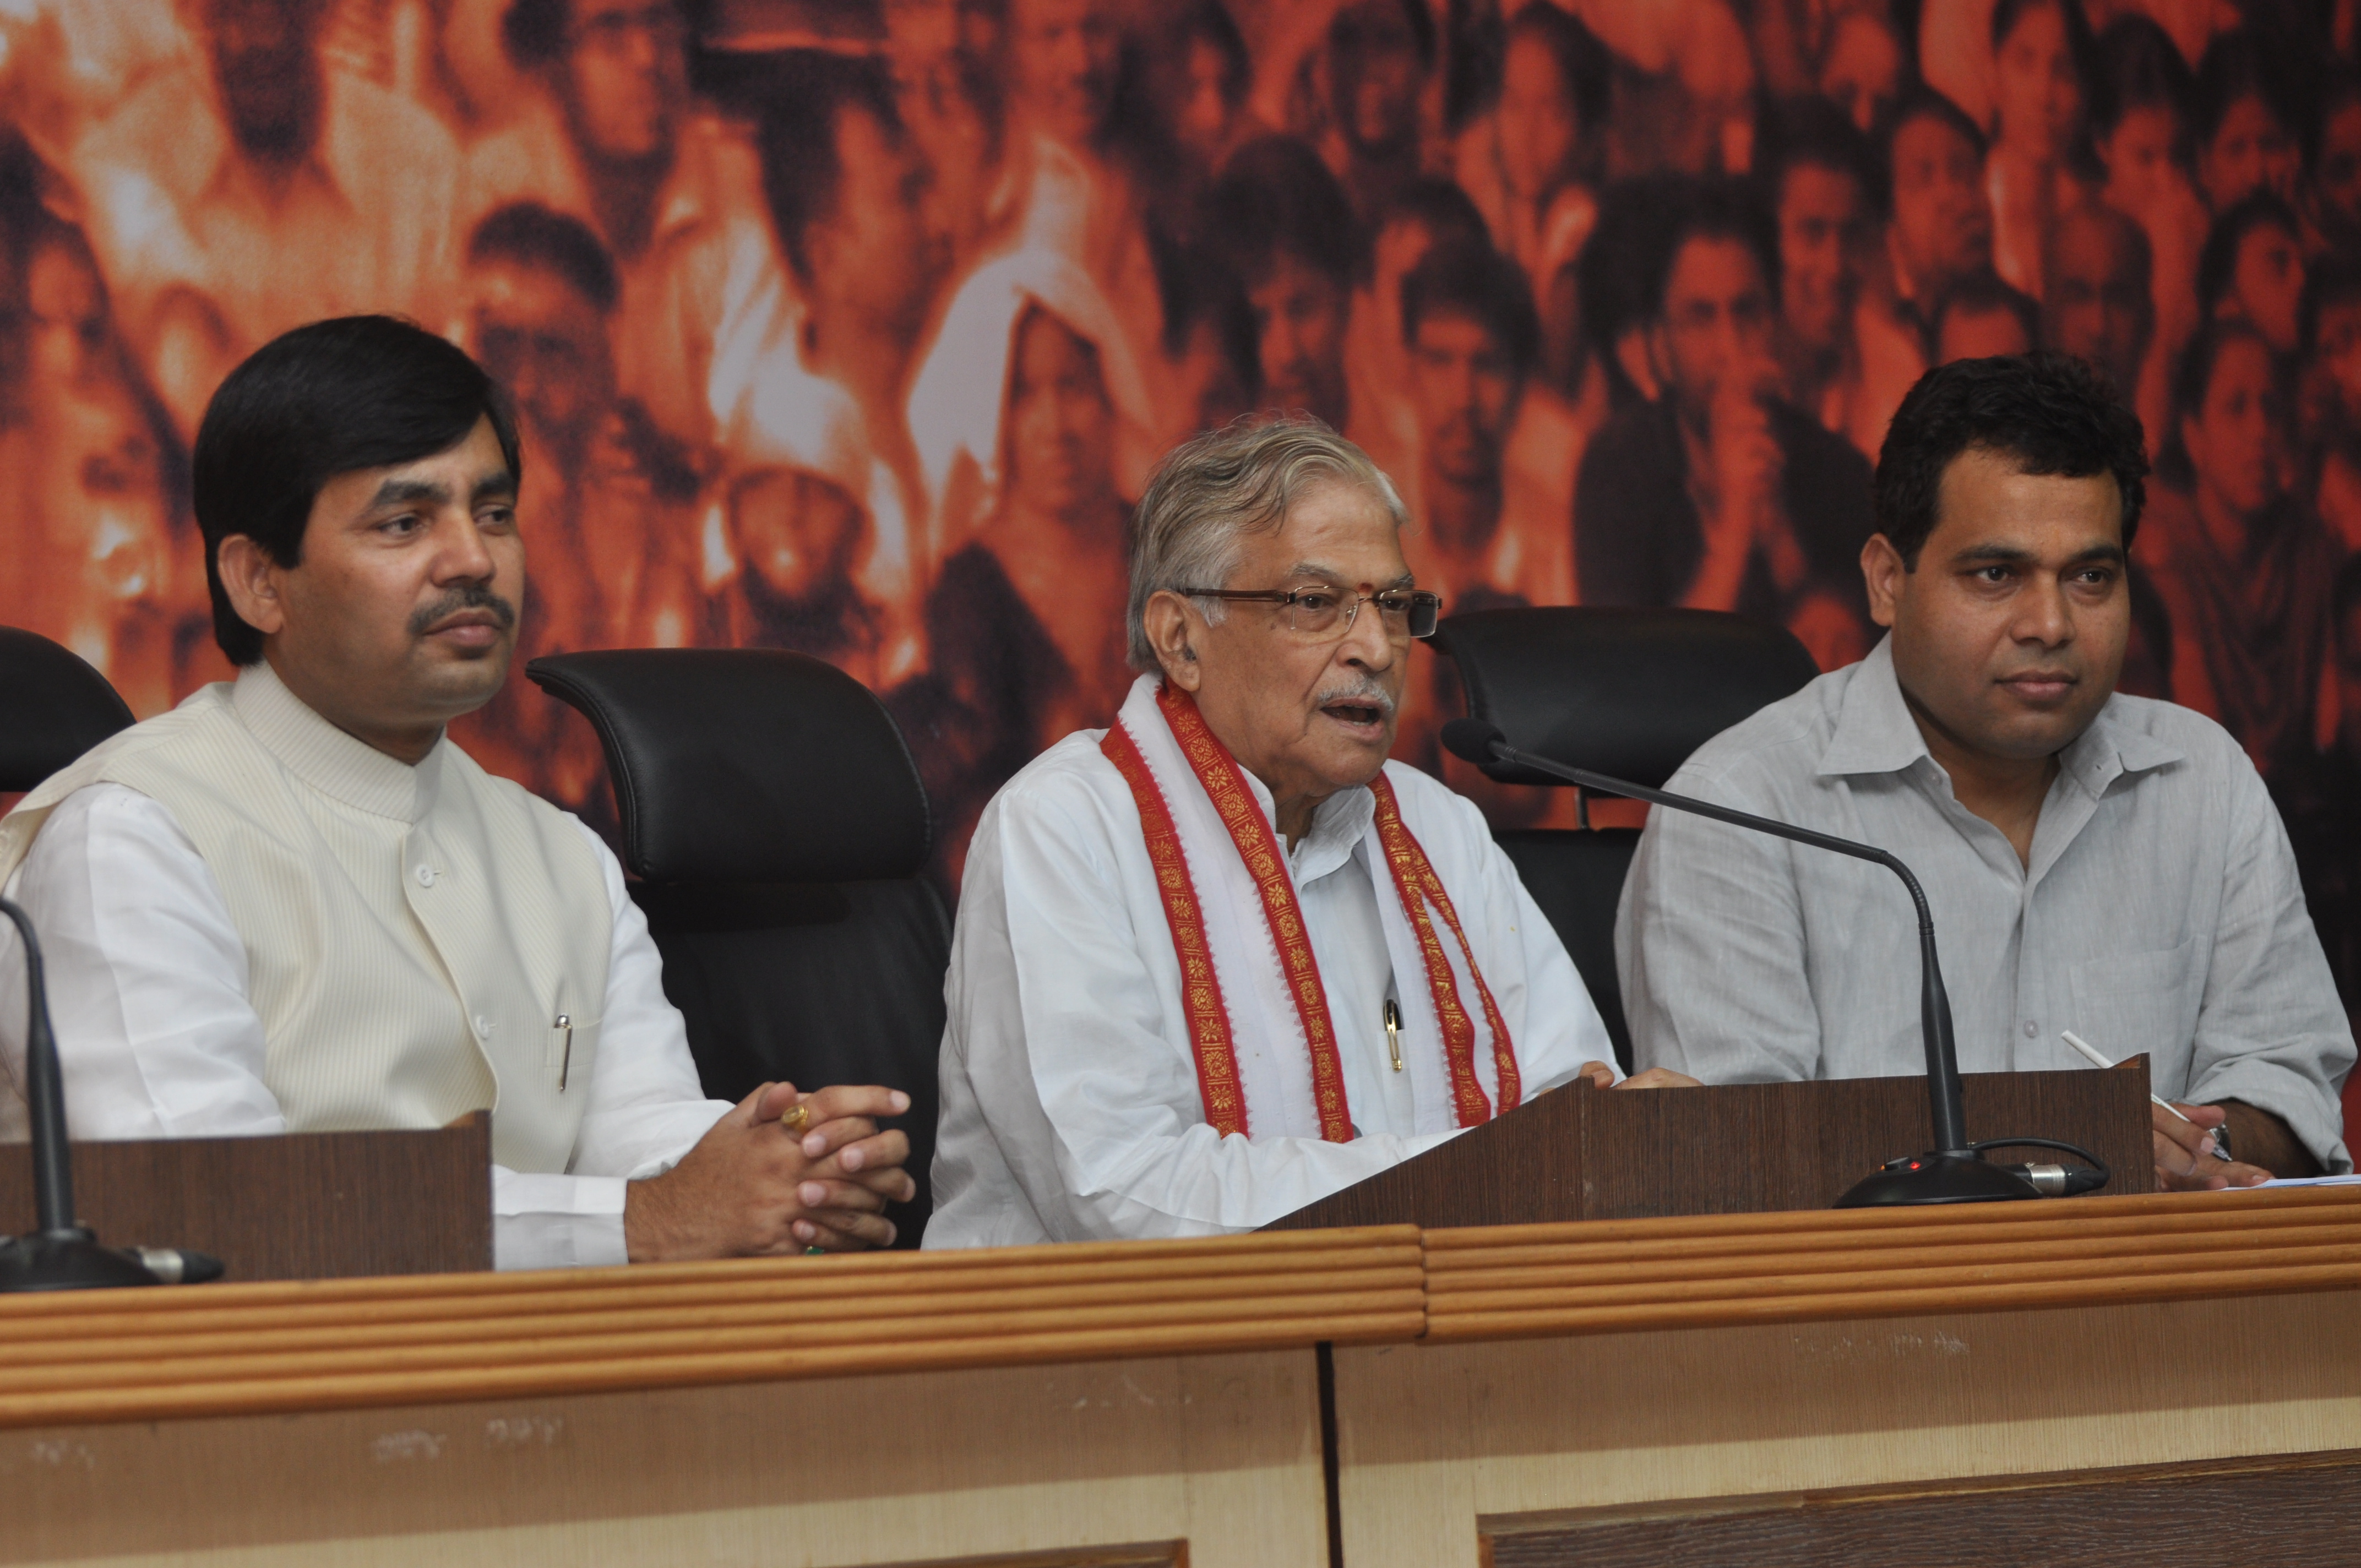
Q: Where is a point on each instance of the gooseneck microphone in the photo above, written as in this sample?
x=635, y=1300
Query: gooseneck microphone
x=1956, y=1171
x=62, y=1254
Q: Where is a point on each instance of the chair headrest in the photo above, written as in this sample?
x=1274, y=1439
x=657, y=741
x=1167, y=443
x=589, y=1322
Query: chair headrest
x=1626, y=692
x=53, y=707
x=747, y=765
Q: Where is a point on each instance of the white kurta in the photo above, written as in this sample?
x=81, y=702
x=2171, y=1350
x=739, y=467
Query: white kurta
x=1070, y=1105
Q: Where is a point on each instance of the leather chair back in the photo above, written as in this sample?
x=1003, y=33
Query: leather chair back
x=53, y=707
x=1626, y=691
x=777, y=821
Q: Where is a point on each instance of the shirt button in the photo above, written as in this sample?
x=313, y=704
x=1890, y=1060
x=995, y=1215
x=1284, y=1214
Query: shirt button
x=483, y=1024
x=2029, y=1029
x=426, y=876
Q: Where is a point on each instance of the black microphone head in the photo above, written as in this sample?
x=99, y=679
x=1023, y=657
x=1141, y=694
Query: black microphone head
x=1472, y=739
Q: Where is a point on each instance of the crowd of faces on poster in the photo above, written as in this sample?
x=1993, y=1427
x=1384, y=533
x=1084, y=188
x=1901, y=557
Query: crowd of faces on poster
x=852, y=328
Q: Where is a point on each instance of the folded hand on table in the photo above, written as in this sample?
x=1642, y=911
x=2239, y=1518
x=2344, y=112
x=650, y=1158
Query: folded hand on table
x=1599, y=1073
x=754, y=1186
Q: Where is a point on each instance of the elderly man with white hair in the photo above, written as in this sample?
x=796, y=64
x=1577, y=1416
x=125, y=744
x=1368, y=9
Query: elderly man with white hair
x=1224, y=959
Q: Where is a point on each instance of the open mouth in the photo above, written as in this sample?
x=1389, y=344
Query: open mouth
x=1359, y=714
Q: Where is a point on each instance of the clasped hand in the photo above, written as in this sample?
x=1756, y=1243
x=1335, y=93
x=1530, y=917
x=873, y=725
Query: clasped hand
x=753, y=1187
x=1599, y=1073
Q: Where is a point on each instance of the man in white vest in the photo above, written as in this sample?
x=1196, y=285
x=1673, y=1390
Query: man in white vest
x=1224, y=959
x=291, y=904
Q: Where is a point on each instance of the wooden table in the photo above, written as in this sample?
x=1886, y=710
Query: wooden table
x=2094, y=1381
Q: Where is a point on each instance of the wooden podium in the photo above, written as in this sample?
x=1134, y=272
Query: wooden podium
x=1578, y=1152
x=295, y=1206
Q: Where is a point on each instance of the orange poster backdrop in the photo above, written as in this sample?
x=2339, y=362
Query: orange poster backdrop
x=853, y=326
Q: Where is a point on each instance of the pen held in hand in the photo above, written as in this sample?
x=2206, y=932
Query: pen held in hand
x=2091, y=1055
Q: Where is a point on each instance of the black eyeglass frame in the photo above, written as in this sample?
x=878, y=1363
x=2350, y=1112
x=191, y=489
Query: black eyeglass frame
x=1413, y=601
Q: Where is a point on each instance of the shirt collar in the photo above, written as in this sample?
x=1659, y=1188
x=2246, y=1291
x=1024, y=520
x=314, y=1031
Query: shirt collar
x=325, y=757
x=1877, y=734
x=1337, y=825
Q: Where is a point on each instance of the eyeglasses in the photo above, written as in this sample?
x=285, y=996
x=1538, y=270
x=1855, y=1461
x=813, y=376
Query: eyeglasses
x=1320, y=614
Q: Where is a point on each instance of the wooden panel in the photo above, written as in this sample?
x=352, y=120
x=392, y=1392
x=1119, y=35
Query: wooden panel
x=1148, y=1554
x=1603, y=1276
x=1577, y=1154
x=1038, y=1463
x=222, y=1349
x=1432, y=1441
x=300, y=1206
x=2302, y=1508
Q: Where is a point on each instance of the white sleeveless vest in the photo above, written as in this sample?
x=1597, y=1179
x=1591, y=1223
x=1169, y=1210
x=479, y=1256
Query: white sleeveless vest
x=411, y=934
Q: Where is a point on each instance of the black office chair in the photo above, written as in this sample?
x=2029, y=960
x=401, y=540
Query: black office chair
x=1626, y=692
x=777, y=820
x=53, y=707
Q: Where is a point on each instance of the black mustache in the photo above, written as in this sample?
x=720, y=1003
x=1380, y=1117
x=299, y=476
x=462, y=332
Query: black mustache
x=475, y=595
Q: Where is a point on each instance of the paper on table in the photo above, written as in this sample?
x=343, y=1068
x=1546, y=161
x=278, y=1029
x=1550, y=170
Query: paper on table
x=2354, y=1180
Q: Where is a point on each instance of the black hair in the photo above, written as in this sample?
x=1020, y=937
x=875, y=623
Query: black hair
x=1469, y=278
x=533, y=31
x=1812, y=133
x=2052, y=413
x=531, y=234
x=2217, y=264
x=1620, y=265
x=1209, y=21
x=1197, y=287
x=1984, y=293
x=2192, y=378
x=796, y=140
x=1444, y=209
x=1276, y=197
x=324, y=400
x=2140, y=67
x=1723, y=210
x=1926, y=103
x=1582, y=60
x=2334, y=280
x=2237, y=66
x=1349, y=29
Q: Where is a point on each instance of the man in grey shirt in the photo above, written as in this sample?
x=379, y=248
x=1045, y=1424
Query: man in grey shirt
x=2096, y=862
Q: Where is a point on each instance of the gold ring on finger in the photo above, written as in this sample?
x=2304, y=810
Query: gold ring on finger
x=797, y=1118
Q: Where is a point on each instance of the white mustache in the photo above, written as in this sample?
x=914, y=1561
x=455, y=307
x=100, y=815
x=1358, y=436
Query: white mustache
x=1364, y=690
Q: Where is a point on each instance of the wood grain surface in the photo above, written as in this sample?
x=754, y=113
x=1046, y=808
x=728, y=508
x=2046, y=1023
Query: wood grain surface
x=1578, y=1154
x=297, y=1206
x=222, y=1349
x=2278, y=1509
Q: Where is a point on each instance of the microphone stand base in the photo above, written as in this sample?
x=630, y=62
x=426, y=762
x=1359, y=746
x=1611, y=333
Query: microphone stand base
x=1938, y=1179
x=66, y=1260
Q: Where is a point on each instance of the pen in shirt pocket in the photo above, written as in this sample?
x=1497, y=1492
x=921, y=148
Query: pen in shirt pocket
x=2091, y=1055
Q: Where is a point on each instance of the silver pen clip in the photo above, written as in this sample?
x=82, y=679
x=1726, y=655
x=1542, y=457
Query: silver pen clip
x=1393, y=1033
x=565, y=1063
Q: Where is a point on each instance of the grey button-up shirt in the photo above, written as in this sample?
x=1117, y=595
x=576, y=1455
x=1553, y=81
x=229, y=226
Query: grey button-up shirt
x=2159, y=913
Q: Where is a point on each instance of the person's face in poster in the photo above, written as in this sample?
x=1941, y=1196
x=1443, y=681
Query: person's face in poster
x=268, y=68
x=1378, y=75
x=626, y=76
x=2234, y=438
x=1942, y=218
x=1060, y=427
x=1862, y=71
x=2266, y=284
x=879, y=253
x=2035, y=90
x=796, y=533
x=1822, y=225
x=1715, y=338
x=67, y=331
x=1466, y=390
x=1301, y=314
x=2338, y=353
x=2140, y=157
x=1539, y=127
x=2253, y=151
x=547, y=344
x=1068, y=53
x=1192, y=86
x=2337, y=181
x=2098, y=305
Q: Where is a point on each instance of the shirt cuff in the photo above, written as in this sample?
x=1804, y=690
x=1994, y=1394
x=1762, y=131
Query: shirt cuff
x=556, y=1221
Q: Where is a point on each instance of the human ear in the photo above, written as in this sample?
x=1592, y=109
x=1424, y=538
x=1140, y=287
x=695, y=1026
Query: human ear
x=1881, y=571
x=250, y=577
x=1166, y=617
